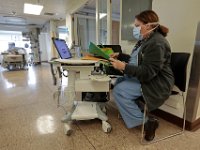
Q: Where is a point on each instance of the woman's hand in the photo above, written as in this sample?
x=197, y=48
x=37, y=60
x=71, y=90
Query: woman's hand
x=117, y=64
x=114, y=55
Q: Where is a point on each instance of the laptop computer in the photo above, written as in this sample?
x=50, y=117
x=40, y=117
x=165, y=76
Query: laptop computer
x=65, y=54
x=62, y=48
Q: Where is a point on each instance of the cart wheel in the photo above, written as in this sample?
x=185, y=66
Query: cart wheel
x=106, y=127
x=104, y=109
x=67, y=129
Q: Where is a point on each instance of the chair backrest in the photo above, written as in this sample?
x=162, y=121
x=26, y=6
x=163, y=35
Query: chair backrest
x=179, y=63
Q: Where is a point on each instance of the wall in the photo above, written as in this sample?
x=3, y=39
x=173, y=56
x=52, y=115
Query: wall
x=182, y=24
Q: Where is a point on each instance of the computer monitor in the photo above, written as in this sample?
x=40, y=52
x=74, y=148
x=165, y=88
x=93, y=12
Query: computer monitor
x=62, y=48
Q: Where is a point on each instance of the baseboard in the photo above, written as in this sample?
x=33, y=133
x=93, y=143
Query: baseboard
x=45, y=61
x=190, y=126
x=194, y=125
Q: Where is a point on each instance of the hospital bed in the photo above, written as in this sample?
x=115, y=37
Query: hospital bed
x=14, y=59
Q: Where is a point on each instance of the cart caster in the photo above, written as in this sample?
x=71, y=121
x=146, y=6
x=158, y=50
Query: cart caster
x=67, y=129
x=104, y=109
x=106, y=127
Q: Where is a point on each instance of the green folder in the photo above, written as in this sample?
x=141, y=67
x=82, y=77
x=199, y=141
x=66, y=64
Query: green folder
x=94, y=49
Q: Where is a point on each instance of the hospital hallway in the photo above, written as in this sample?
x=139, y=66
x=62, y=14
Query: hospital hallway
x=30, y=120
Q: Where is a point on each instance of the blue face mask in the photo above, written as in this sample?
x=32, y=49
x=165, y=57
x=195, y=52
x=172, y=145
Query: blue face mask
x=136, y=33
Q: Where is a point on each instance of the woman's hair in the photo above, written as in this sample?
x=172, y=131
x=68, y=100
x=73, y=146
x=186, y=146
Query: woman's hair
x=149, y=16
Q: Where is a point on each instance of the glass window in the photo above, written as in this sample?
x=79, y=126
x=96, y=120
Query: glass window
x=102, y=21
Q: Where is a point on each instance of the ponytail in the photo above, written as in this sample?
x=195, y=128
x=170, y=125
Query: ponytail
x=162, y=30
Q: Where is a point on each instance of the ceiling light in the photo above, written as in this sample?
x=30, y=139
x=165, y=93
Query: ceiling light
x=32, y=9
x=102, y=15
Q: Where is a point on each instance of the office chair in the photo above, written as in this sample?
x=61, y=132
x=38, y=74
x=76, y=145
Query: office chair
x=179, y=63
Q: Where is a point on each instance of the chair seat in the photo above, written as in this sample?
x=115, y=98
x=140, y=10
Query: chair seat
x=140, y=100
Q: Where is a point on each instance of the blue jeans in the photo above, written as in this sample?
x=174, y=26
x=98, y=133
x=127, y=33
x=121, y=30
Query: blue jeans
x=125, y=92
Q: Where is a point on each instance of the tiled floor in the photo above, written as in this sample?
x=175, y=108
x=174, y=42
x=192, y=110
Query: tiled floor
x=30, y=120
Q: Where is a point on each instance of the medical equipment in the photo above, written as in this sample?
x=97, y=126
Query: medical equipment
x=62, y=48
x=14, y=58
x=79, y=76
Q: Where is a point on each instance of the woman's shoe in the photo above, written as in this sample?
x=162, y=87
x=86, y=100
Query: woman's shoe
x=150, y=127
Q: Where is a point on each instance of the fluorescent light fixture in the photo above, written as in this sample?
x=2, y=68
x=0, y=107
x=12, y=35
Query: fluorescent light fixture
x=101, y=15
x=32, y=9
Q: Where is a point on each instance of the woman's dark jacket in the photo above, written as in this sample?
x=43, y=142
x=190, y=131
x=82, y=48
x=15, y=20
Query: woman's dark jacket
x=153, y=70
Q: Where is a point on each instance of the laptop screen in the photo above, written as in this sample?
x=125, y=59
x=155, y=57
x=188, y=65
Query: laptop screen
x=62, y=48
